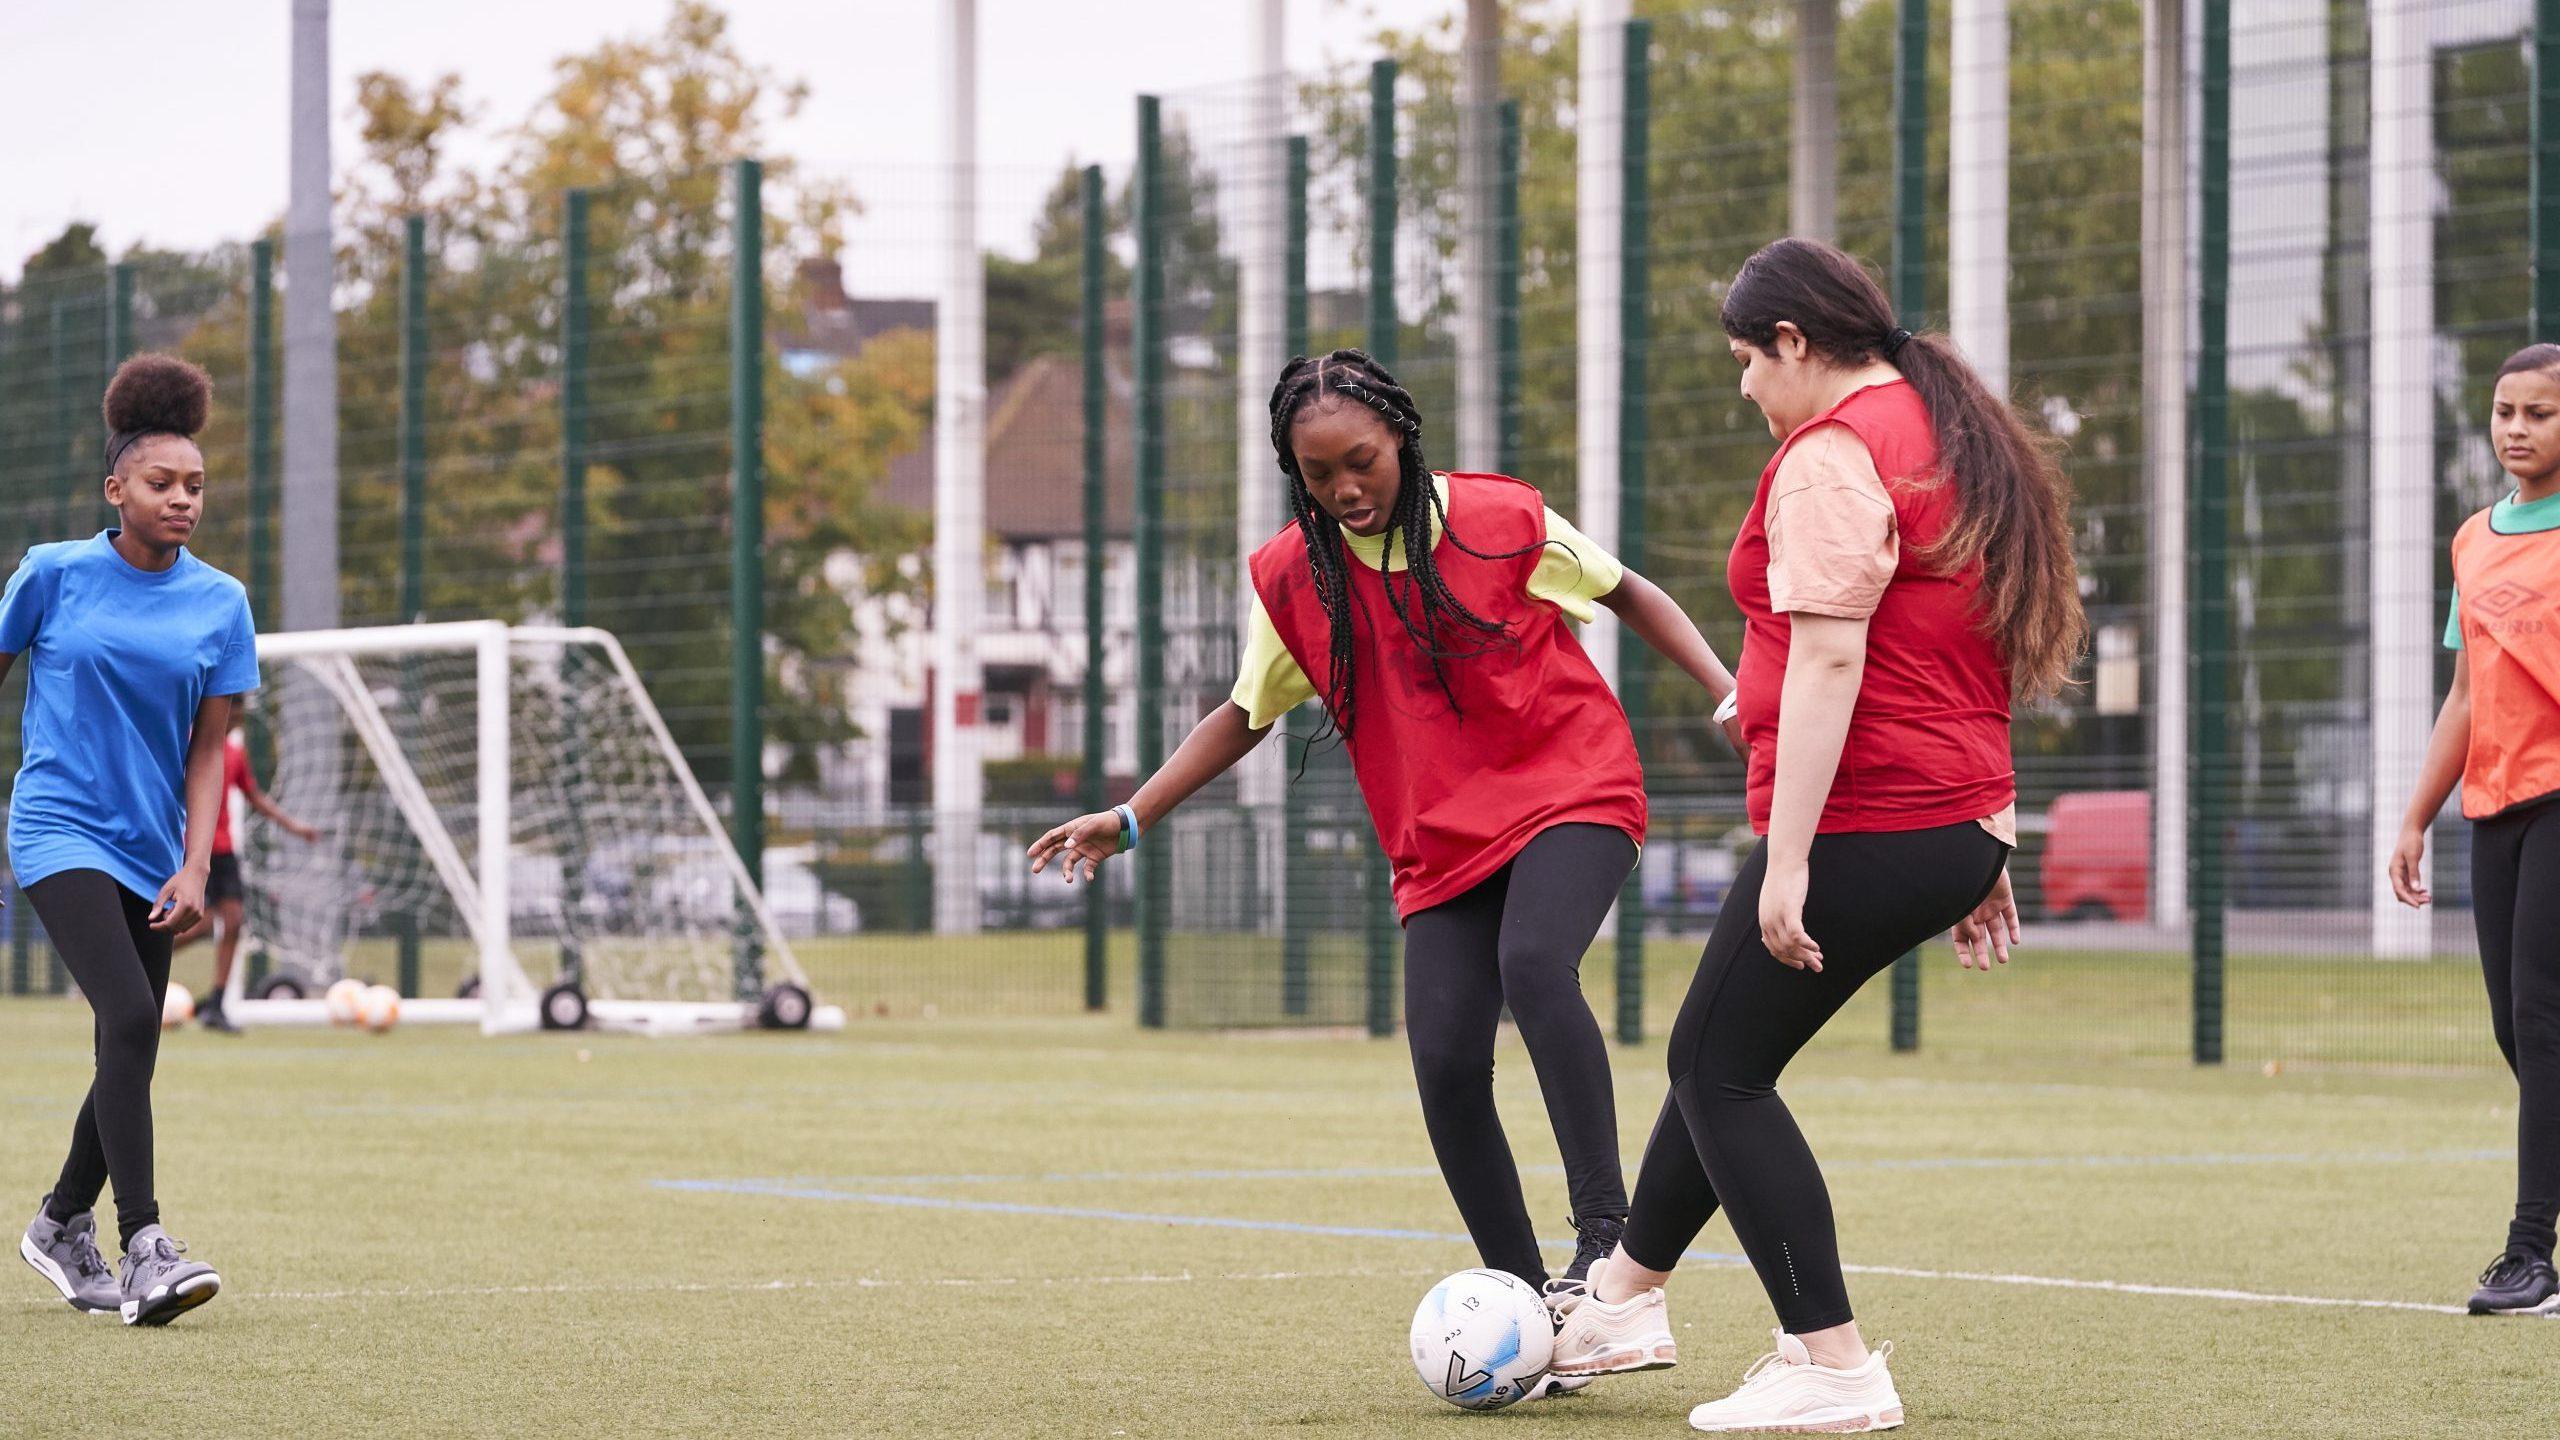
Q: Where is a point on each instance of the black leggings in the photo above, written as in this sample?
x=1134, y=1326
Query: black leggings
x=1518, y=938
x=1724, y=1137
x=103, y=933
x=2515, y=900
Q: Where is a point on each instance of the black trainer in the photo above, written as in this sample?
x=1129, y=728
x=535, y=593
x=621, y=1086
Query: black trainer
x=212, y=1018
x=2517, y=1283
x=1595, y=1238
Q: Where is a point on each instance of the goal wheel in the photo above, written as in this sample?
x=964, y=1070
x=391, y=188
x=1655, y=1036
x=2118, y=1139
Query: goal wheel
x=784, y=1007
x=564, y=1007
x=469, y=989
x=281, y=986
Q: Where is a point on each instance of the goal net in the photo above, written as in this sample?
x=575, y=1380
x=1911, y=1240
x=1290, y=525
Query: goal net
x=503, y=816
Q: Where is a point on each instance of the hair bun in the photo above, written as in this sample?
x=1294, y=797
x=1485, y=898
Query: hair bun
x=158, y=395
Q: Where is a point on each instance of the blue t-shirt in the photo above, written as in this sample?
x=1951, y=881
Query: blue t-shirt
x=117, y=661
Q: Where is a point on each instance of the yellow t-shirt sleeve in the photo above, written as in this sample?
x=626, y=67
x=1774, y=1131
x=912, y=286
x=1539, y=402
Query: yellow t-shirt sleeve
x=1269, y=683
x=1573, y=571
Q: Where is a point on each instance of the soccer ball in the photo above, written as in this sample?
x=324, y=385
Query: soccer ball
x=1481, y=1339
x=341, y=1001
x=378, y=1008
x=178, y=1007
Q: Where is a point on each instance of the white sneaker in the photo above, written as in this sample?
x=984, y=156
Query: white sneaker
x=1785, y=1390
x=1597, y=1338
x=1556, y=1387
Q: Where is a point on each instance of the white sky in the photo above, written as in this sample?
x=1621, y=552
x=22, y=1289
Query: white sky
x=168, y=125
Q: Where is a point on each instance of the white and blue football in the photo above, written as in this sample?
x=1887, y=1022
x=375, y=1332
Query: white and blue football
x=1481, y=1339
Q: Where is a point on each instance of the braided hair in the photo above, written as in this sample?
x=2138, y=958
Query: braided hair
x=1437, y=620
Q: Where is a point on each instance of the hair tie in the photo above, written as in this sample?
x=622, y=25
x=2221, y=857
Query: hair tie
x=1894, y=340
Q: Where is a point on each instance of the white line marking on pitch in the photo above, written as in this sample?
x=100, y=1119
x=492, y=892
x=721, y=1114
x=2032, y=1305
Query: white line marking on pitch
x=782, y=1190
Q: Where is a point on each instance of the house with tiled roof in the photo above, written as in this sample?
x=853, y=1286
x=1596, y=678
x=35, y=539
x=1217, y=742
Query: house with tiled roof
x=1032, y=647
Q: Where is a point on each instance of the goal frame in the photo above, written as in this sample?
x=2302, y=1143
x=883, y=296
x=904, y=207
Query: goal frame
x=508, y=1002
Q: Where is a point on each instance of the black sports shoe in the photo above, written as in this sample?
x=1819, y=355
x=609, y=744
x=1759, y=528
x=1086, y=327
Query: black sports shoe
x=212, y=1018
x=1595, y=1238
x=2517, y=1283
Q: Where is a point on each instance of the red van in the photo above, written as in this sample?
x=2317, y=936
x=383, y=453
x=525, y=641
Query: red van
x=2097, y=856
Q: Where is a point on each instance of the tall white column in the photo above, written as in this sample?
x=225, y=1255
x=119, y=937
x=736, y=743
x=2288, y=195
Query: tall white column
x=1262, y=346
x=1813, y=172
x=959, y=492
x=1600, y=108
x=2165, y=301
x=309, y=513
x=2402, y=195
x=1479, y=91
x=1978, y=187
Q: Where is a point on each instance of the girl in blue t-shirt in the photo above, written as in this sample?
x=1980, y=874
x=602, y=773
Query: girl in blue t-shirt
x=135, y=650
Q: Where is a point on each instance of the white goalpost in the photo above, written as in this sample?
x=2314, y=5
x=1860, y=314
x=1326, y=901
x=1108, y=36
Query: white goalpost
x=507, y=802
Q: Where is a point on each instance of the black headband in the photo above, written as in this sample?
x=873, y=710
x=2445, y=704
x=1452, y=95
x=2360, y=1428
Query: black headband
x=123, y=440
x=1894, y=340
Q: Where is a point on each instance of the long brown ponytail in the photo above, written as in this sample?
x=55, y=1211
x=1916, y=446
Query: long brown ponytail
x=2012, y=503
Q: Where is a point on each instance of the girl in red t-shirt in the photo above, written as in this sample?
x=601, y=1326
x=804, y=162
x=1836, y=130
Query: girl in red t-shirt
x=1428, y=612
x=1904, y=570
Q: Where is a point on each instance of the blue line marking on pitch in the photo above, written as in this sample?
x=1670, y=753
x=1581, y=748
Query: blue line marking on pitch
x=786, y=1191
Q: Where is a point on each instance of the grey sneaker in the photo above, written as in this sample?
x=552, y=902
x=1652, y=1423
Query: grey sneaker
x=160, y=1283
x=67, y=1254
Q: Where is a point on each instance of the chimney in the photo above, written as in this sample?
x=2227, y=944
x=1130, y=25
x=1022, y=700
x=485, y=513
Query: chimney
x=822, y=280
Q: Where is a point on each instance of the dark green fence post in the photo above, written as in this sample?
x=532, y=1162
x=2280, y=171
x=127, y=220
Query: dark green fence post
x=120, y=315
x=1911, y=304
x=413, y=505
x=1506, y=288
x=1097, y=734
x=1382, y=336
x=576, y=373
x=574, y=376
x=413, y=423
x=1155, y=872
x=2208, y=508
x=262, y=474
x=262, y=433
x=2546, y=168
x=62, y=462
x=1635, y=278
x=20, y=919
x=1298, y=728
x=119, y=341
x=919, y=875
x=746, y=556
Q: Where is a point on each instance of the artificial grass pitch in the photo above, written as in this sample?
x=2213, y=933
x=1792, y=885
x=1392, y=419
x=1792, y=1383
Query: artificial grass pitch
x=1065, y=1227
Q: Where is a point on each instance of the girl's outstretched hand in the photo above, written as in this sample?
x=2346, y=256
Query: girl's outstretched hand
x=1087, y=840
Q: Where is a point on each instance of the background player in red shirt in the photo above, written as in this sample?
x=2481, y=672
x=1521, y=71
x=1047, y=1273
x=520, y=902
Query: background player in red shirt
x=1905, y=569
x=1428, y=613
x=226, y=899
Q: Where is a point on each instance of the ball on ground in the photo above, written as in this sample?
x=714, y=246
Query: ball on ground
x=178, y=1007
x=1481, y=1339
x=378, y=1008
x=340, y=1000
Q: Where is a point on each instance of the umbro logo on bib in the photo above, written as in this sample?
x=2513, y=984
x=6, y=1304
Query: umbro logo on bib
x=2505, y=598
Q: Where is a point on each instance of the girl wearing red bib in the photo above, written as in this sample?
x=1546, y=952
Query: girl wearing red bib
x=1428, y=612
x=1904, y=570
x=2499, y=735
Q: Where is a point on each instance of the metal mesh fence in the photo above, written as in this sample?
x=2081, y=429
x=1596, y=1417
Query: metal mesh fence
x=2322, y=477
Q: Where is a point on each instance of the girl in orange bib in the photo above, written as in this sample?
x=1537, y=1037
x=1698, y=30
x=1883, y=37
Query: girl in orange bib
x=2499, y=735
